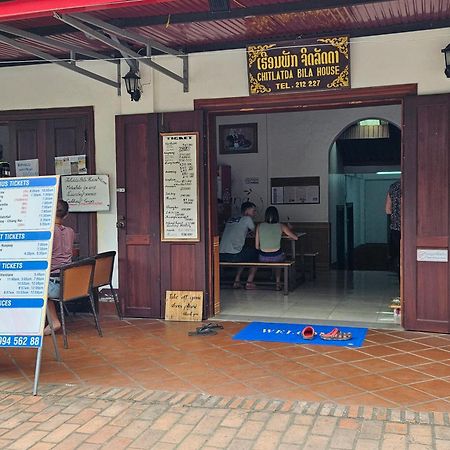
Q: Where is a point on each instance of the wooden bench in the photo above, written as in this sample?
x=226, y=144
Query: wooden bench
x=287, y=267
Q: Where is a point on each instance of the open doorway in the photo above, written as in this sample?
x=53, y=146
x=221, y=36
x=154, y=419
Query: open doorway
x=296, y=146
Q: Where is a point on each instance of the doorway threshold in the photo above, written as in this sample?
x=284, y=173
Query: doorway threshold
x=299, y=320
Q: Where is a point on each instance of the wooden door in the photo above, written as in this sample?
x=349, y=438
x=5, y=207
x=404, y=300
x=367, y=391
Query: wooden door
x=71, y=136
x=425, y=212
x=138, y=215
x=148, y=267
x=51, y=134
x=184, y=265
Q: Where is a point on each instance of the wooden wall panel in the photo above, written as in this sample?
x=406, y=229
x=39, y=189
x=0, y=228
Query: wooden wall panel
x=184, y=265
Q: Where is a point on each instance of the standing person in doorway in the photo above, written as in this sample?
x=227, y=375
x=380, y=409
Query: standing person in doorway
x=268, y=240
x=63, y=239
x=393, y=209
x=232, y=245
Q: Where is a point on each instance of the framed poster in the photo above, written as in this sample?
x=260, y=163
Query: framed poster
x=180, y=217
x=238, y=138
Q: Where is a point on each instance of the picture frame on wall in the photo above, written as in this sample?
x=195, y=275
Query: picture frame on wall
x=238, y=138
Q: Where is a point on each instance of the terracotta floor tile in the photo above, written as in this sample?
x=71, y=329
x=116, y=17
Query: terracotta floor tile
x=293, y=351
x=232, y=389
x=368, y=399
x=432, y=341
x=349, y=355
x=435, y=354
x=334, y=390
x=435, y=369
x=375, y=365
x=316, y=361
x=270, y=384
x=407, y=359
x=298, y=394
x=344, y=370
x=408, y=346
x=404, y=395
x=406, y=375
x=371, y=382
x=308, y=377
x=438, y=388
x=384, y=339
x=379, y=350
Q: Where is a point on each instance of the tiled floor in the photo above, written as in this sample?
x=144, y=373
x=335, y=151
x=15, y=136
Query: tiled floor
x=392, y=369
x=340, y=297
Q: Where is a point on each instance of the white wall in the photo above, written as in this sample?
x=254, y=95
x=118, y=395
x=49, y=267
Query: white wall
x=295, y=144
x=379, y=60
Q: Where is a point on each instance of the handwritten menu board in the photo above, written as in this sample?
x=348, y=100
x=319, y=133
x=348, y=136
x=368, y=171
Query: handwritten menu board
x=86, y=193
x=180, y=215
x=27, y=211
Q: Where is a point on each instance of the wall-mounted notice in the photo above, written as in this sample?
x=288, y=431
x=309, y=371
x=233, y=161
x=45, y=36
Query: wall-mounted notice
x=71, y=165
x=27, y=168
x=27, y=211
x=180, y=214
x=184, y=306
x=295, y=190
x=86, y=193
x=432, y=255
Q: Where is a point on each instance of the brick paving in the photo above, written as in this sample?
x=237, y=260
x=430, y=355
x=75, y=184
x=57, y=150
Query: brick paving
x=146, y=384
x=70, y=417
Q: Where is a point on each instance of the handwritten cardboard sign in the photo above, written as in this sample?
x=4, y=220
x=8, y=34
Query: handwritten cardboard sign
x=184, y=306
x=86, y=193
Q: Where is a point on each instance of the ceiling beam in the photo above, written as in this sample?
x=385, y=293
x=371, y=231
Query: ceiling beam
x=50, y=58
x=53, y=43
x=205, y=16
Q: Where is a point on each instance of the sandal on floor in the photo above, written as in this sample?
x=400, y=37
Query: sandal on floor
x=250, y=286
x=237, y=285
x=201, y=331
x=308, y=333
x=278, y=287
x=210, y=326
x=336, y=335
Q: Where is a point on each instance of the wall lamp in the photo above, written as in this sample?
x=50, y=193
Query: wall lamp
x=446, y=52
x=133, y=85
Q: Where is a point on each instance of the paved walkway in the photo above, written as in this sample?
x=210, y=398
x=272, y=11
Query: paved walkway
x=107, y=418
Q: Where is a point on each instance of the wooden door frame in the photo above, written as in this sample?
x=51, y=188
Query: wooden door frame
x=63, y=113
x=349, y=98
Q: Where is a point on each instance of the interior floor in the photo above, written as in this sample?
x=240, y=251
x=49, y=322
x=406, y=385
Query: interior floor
x=357, y=298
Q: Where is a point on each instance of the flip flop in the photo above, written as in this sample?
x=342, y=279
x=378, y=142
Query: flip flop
x=308, y=333
x=237, y=285
x=210, y=326
x=202, y=332
x=336, y=335
x=250, y=286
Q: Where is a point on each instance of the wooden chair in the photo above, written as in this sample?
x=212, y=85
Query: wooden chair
x=104, y=266
x=76, y=283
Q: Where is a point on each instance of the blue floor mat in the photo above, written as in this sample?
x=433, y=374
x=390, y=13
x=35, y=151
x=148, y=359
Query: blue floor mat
x=292, y=334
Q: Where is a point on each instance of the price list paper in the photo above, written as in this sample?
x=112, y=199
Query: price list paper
x=180, y=214
x=27, y=210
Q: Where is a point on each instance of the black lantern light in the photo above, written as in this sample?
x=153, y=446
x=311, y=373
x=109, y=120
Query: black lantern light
x=133, y=85
x=446, y=52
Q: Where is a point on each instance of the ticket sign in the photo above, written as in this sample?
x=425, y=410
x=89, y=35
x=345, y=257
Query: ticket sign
x=27, y=211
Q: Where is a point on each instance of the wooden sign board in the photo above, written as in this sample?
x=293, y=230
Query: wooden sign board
x=184, y=306
x=313, y=64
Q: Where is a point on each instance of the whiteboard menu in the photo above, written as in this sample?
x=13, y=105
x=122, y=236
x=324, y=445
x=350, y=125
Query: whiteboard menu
x=86, y=193
x=27, y=211
x=180, y=204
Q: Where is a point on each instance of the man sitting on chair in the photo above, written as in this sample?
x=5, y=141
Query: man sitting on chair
x=63, y=239
x=232, y=245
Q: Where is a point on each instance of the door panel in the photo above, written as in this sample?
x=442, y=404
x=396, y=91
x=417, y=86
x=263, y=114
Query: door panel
x=425, y=212
x=176, y=273
x=69, y=136
x=138, y=211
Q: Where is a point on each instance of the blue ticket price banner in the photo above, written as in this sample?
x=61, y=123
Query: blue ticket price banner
x=27, y=215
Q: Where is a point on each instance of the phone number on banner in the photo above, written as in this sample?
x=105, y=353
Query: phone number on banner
x=20, y=341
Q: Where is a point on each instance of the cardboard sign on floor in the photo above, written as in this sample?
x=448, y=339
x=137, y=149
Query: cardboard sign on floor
x=184, y=306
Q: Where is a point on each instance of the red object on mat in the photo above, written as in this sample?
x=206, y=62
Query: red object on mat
x=27, y=9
